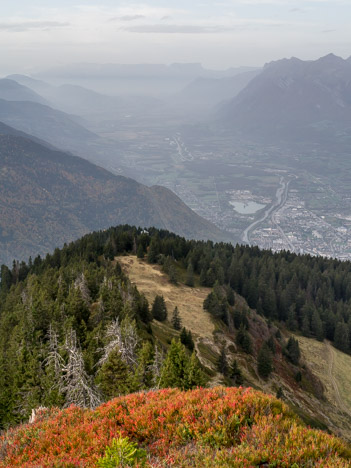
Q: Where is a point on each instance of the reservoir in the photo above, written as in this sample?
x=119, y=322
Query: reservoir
x=246, y=208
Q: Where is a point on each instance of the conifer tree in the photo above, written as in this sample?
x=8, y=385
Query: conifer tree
x=243, y=340
x=293, y=350
x=140, y=251
x=195, y=376
x=175, y=367
x=143, y=378
x=176, y=320
x=159, y=309
x=341, y=337
x=317, y=325
x=173, y=275
x=235, y=373
x=114, y=377
x=178, y=370
x=190, y=275
x=153, y=251
x=264, y=361
x=222, y=362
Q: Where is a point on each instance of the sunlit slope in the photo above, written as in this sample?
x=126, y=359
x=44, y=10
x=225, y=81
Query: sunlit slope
x=333, y=368
x=151, y=281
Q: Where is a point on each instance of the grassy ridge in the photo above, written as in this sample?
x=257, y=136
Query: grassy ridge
x=205, y=427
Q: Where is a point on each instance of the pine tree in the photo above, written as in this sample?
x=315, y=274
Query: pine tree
x=264, y=361
x=235, y=373
x=114, y=377
x=341, y=337
x=317, y=325
x=159, y=309
x=153, y=251
x=179, y=371
x=190, y=275
x=186, y=338
x=194, y=377
x=293, y=350
x=143, y=377
x=243, y=340
x=173, y=275
x=306, y=327
x=176, y=320
x=222, y=362
x=140, y=251
x=291, y=321
x=175, y=367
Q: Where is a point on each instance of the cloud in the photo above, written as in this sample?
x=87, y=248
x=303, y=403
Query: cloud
x=239, y=24
x=127, y=18
x=30, y=25
x=176, y=29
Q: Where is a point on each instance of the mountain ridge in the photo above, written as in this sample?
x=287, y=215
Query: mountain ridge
x=293, y=99
x=58, y=197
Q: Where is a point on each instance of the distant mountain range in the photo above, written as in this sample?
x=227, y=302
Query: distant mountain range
x=42, y=121
x=294, y=100
x=11, y=90
x=205, y=93
x=49, y=197
x=115, y=70
x=78, y=100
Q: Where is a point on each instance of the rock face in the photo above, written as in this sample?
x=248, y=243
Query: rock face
x=293, y=99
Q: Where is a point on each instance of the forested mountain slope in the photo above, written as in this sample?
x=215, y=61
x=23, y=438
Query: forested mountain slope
x=49, y=197
x=76, y=313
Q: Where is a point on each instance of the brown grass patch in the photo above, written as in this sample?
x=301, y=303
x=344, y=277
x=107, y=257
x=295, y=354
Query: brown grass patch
x=151, y=281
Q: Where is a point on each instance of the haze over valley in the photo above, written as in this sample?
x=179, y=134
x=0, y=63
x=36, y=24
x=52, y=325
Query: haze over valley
x=260, y=152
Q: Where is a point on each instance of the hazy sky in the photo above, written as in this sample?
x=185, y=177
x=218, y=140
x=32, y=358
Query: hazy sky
x=36, y=34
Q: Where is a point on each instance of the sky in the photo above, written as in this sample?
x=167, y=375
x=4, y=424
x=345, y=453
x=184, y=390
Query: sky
x=40, y=34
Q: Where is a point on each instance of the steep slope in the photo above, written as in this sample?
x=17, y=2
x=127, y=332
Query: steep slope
x=294, y=99
x=10, y=90
x=316, y=401
x=49, y=197
x=222, y=427
x=86, y=103
x=46, y=123
x=205, y=93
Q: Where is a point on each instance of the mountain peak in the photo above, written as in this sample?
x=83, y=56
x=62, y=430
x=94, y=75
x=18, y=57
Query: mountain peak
x=331, y=58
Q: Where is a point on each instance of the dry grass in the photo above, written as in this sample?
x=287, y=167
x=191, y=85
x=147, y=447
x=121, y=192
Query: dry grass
x=333, y=368
x=151, y=281
x=342, y=374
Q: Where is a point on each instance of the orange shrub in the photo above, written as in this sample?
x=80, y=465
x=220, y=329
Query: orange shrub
x=204, y=427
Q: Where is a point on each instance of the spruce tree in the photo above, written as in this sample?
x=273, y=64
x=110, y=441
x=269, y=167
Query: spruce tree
x=235, y=373
x=173, y=275
x=264, y=361
x=243, y=340
x=159, y=309
x=341, y=337
x=176, y=320
x=222, y=362
x=190, y=275
x=186, y=338
x=140, y=251
x=114, y=377
x=194, y=376
x=175, y=367
x=153, y=251
x=293, y=350
x=317, y=325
